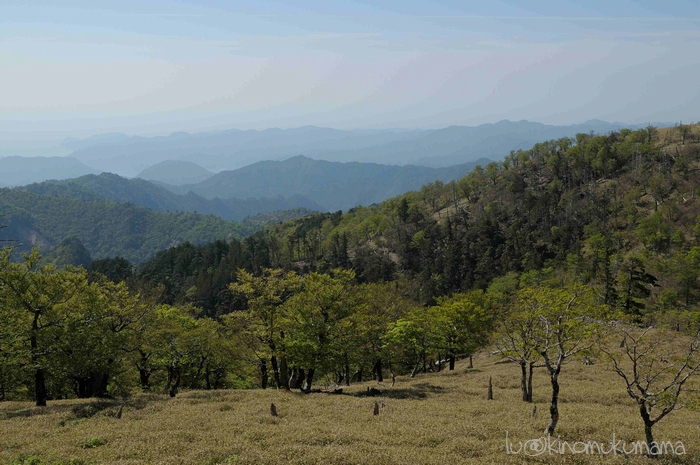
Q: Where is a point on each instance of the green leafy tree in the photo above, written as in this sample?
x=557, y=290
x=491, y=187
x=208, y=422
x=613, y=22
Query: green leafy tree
x=411, y=339
x=264, y=320
x=462, y=324
x=317, y=316
x=45, y=298
x=565, y=320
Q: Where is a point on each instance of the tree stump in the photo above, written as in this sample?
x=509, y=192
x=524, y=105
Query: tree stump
x=490, y=393
x=376, y=409
x=273, y=410
x=118, y=415
x=533, y=413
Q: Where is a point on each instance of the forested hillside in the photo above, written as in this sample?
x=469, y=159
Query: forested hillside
x=106, y=228
x=557, y=252
x=618, y=211
x=143, y=193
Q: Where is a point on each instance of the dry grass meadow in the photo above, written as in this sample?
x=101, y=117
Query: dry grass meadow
x=441, y=418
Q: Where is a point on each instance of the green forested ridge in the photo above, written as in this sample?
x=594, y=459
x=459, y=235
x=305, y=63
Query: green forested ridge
x=143, y=193
x=619, y=211
x=557, y=252
x=106, y=228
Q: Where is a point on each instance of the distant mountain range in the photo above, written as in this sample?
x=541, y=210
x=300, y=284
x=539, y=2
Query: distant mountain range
x=334, y=186
x=175, y=172
x=261, y=188
x=226, y=150
x=18, y=171
x=143, y=193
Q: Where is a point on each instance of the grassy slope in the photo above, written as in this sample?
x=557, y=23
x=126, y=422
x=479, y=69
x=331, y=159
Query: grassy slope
x=436, y=418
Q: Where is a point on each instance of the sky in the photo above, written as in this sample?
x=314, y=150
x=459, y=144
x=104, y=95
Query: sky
x=155, y=67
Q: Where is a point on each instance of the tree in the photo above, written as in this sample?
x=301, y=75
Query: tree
x=636, y=284
x=115, y=269
x=45, y=298
x=655, y=367
x=376, y=306
x=264, y=319
x=402, y=210
x=97, y=335
x=13, y=348
x=176, y=343
x=651, y=133
x=316, y=317
x=565, y=323
x=411, y=338
x=517, y=343
x=684, y=131
x=462, y=323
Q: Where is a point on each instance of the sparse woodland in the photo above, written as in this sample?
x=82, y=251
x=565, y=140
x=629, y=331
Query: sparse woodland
x=581, y=251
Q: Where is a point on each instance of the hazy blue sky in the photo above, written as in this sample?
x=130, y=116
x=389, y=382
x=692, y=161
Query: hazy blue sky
x=159, y=66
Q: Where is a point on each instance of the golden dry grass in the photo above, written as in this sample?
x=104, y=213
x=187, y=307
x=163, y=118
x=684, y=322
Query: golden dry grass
x=434, y=419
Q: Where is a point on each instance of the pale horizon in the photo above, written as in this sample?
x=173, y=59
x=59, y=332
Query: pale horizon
x=154, y=68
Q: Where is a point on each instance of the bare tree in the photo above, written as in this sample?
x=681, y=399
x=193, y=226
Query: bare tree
x=565, y=330
x=684, y=131
x=518, y=344
x=656, y=367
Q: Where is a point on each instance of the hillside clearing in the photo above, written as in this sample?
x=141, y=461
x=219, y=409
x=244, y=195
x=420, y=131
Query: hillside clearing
x=433, y=419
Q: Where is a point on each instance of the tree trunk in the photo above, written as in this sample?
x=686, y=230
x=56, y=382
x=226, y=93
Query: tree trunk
x=554, y=405
x=648, y=424
x=347, y=370
x=94, y=385
x=416, y=368
x=40, y=387
x=207, y=377
x=284, y=372
x=293, y=379
x=100, y=384
x=452, y=362
x=471, y=362
x=144, y=372
x=263, y=374
x=309, y=380
x=377, y=370
x=82, y=388
x=176, y=385
x=39, y=376
x=359, y=374
x=275, y=371
x=529, y=383
x=523, y=380
x=144, y=377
